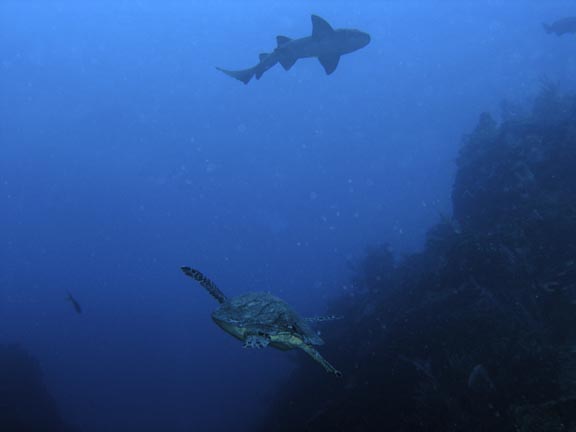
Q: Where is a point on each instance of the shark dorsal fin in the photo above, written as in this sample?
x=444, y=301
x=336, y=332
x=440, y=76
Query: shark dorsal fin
x=320, y=27
x=329, y=62
x=262, y=56
x=282, y=40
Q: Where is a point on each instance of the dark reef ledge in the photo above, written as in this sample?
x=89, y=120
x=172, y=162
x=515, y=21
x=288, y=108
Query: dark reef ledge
x=25, y=404
x=477, y=332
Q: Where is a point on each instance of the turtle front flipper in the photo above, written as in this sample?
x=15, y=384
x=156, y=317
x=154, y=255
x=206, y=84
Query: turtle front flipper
x=311, y=351
x=205, y=283
x=256, y=341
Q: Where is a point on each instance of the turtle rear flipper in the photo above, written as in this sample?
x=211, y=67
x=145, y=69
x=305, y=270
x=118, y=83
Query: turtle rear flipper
x=312, y=352
x=205, y=283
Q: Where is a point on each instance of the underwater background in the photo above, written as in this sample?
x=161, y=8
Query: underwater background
x=424, y=192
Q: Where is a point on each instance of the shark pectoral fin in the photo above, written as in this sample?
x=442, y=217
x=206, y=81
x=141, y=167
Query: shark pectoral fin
x=320, y=27
x=287, y=62
x=282, y=40
x=244, y=75
x=329, y=63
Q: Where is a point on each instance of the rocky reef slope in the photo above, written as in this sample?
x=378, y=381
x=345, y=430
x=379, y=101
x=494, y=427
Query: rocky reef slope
x=25, y=404
x=477, y=332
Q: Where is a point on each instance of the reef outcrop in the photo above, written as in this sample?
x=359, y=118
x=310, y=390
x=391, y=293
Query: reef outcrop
x=25, y=404
x=478, y=331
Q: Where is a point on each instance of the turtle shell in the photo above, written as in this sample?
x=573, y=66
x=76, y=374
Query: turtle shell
x=262, y=313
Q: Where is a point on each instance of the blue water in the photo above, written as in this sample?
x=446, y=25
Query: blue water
x=125, y=154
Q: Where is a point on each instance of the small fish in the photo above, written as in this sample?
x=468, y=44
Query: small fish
x=562, y=26
x=75, y=303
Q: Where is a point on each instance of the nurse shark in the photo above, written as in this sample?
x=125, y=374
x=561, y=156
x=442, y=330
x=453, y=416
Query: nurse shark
x=326, y=44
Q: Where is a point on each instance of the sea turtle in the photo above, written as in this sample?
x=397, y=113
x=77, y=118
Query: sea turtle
x=261, y=319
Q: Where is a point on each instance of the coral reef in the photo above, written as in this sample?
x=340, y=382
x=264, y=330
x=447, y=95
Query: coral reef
x=478, y=331
x=25, y=404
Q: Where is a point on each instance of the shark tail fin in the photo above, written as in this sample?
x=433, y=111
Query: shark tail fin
x=244, y=75
x=547, y=28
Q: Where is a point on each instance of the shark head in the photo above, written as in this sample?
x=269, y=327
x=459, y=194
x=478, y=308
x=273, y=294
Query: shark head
x=352, y=40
